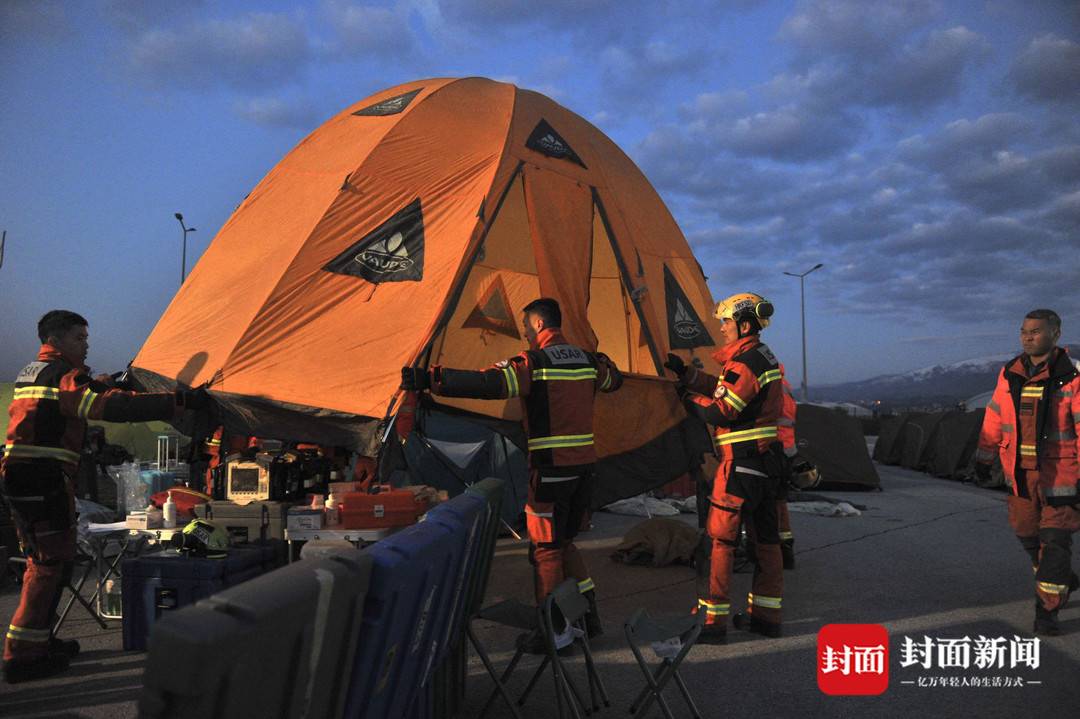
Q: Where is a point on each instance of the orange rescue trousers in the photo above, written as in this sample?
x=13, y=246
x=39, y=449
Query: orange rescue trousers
x=554, y=511
x=1045, y=532
x=743, y=491
x=43, y=506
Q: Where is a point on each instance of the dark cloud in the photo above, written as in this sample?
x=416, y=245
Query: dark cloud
x=626, y=69
x=368, y=30
x=854, y=27
x=254, y=51
x=564, y=14
x=32, y=20
x=278, y=112
x=134, y=16
x=1048, y=70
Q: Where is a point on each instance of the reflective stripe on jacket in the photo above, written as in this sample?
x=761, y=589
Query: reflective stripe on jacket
x=746, y=400
x=52, y=401
x=557, y=384
x=1045, y=437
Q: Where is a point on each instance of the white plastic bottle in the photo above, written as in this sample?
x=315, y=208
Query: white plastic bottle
x=169, y=514
x=333, y=515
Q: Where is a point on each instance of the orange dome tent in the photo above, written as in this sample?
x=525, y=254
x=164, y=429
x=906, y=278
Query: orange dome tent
x=410, y=229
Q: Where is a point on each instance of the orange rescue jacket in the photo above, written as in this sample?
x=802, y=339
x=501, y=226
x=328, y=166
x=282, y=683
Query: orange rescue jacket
x=1045, y=438
x=745, y=403
x=556, y=383
x=54, y=398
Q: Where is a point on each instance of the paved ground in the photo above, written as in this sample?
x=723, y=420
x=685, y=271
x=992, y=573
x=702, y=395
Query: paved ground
x=929, y=558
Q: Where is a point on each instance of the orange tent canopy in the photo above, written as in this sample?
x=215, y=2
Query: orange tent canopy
x=410, y=229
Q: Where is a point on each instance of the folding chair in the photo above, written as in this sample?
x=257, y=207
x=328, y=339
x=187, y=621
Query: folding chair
x=641, y=629
x=86, y=563
x=567, y=599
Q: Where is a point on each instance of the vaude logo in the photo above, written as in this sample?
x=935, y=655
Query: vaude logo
x=552, y=144
x=387, y=255
x=389, y=106
x=685, y=326
x=396, y=104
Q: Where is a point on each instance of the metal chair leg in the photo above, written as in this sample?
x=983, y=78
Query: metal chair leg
x=500, y=688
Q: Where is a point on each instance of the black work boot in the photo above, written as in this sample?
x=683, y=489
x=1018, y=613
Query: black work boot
x=67, y=647
x=750, y=623
x=787, y=551
x=713, y=634
x=1046, y=622
x=25, y=670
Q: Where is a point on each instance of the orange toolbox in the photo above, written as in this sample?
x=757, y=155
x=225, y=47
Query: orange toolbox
x=395, y=508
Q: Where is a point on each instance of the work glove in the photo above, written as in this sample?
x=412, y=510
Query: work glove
x=415, y=379
x=193, y=399
x=982, y=471
x=676, y=365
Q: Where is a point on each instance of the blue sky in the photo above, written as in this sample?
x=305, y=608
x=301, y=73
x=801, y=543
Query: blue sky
x=927, y=152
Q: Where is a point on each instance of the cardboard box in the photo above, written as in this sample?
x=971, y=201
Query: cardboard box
x=143, y=519
x=304, y=518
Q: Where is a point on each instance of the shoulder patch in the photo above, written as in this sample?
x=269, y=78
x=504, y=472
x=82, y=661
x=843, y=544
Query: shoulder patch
x=30, y=372
x=502, y=364
x=565, y=354
x=767, y=354
x=721, y=390
x=731, y=376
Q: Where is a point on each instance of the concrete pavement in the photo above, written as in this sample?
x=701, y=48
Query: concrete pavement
x=928, y=558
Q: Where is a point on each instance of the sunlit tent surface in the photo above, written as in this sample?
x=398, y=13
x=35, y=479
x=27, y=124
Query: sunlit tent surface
x=412, y=228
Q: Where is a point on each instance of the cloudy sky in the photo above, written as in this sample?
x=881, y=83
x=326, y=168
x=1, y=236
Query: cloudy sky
x=927, y=152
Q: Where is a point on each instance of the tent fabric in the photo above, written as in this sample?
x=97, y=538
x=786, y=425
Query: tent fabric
x=834, y=442
x=955, y=442
x=887, y=436
x=410, y=229
x=919, y=437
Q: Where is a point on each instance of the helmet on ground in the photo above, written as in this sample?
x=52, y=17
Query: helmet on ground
x=202, y=539
x=804, y=475
x=745, y=306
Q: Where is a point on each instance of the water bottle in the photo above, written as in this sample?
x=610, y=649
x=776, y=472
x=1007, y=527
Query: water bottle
x=169, y=513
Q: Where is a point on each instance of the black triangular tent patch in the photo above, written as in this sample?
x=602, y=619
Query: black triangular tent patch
x=546, y=141
x=392, y=252
x=493, y=312
x=391, y=106
x=685, y=328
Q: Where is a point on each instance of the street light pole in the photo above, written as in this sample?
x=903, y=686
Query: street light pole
x=183, y=254
x=802, y=311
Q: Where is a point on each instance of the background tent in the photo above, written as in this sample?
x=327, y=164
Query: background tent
x=918, y=437
x=410, y=229
x=834, y=441
x=887, y=436
x=955, y=442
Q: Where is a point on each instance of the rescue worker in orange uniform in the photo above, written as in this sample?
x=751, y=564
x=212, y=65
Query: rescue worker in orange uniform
x=745, y=404
x=556, y=382
x=1032, y=423
x=54, y=397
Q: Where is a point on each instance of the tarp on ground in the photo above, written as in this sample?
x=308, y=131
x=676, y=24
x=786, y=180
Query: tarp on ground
x=918, y=437
x=410, y=229
x=835, y=443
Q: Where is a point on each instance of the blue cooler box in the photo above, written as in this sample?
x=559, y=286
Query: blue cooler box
x=162, y=582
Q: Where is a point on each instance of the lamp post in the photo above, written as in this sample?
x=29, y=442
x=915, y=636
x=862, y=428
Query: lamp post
x=183, y=254
x=802, y=311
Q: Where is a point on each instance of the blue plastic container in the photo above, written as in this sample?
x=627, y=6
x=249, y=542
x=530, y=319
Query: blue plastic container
x=407, y=604
x=157, y=583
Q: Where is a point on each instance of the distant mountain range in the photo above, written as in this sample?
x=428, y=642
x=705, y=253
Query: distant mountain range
x=944, y=384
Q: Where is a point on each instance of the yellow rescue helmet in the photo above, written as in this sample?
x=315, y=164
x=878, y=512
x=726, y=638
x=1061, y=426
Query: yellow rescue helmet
x=744, y=306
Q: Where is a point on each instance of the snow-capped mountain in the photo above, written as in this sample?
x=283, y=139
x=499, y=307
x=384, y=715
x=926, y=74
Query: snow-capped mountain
x=944, y=383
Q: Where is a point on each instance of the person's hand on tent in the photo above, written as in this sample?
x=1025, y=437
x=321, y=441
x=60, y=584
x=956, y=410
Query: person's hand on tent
x=982, y=471
x=193, y=399
x=676, y=365
x=415, y=379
